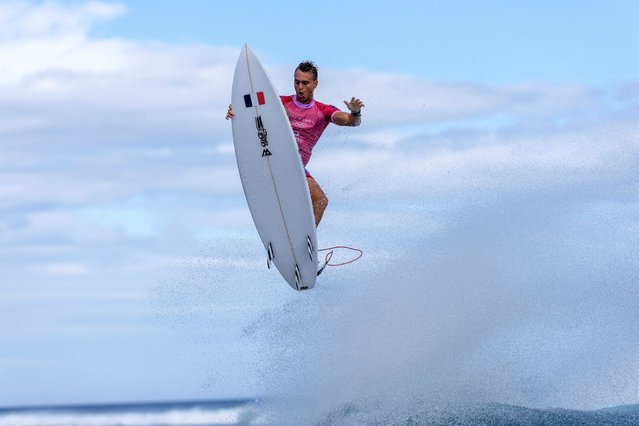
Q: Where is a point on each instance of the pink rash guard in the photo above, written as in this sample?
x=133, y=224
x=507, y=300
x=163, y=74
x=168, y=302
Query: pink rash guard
x=308, y=122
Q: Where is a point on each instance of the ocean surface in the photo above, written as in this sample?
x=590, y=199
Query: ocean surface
x=251, y=412
x=192, y=413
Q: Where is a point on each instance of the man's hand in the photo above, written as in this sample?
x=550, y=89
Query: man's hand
x=229, y=113
x=353, y=119
x=355, y=105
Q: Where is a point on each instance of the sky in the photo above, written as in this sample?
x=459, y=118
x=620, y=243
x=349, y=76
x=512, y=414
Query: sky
x=492, y=186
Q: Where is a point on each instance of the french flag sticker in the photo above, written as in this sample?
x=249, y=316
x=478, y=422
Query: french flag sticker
x=251, y=97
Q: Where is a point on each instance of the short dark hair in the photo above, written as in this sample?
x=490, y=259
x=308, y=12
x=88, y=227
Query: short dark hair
x=308, y=66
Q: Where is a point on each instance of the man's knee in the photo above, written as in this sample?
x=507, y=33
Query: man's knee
x=317, y=194
x=318, y=198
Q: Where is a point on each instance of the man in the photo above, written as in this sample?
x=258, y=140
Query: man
x=308, y=119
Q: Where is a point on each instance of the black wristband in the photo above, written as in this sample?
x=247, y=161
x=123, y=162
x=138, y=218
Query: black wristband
x=357, y=114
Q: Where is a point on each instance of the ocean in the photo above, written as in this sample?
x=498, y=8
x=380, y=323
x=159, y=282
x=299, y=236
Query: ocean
x=251, y=412
x=192, y=413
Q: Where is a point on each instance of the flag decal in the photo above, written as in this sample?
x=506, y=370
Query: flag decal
x=251, y=97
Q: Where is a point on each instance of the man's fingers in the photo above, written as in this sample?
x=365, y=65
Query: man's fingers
x=229, y=113
x=354, y=103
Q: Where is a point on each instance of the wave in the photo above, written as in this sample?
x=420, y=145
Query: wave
x=479, y=414
x=250, y=413
x=161, y=414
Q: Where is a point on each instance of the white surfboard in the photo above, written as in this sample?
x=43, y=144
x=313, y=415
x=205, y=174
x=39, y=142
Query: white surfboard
x=272, y=174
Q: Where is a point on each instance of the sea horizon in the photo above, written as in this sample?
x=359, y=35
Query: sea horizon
x=256, y=411
x=131, y=403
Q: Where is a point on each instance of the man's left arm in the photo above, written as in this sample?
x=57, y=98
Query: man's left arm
x=354, y=118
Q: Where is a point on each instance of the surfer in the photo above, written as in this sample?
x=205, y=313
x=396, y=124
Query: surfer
x=308, y=119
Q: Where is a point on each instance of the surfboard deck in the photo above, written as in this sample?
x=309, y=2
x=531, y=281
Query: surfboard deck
x=272, y=174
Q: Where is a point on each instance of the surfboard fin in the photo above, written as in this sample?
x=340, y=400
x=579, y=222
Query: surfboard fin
x=269, y=253
x=309, y=246
x=298, y=279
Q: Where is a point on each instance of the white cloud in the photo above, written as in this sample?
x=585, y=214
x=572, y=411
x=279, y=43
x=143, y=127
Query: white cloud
x=65, y=269
x=396, y=99
x=48, y=37
x=482, y=163
x=23, y=20
x=96, y=122
x=53, y=73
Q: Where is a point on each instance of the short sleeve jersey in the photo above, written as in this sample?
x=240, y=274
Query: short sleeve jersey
x=308, y=122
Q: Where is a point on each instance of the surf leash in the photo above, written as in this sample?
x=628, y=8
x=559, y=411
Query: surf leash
x=329, y=256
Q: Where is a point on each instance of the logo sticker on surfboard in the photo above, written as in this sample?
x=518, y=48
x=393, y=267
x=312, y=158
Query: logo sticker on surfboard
x=251, y=97
x=262, y=134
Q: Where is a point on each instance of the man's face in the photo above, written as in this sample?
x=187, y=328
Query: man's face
x=304, y=86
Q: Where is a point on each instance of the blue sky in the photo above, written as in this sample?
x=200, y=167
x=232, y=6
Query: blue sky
x=492, y=187
x=491, y=42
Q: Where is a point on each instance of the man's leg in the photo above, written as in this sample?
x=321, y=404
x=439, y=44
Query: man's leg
x=318, y=198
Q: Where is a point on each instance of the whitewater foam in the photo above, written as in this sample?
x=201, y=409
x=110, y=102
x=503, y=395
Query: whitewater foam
x=510, y=303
